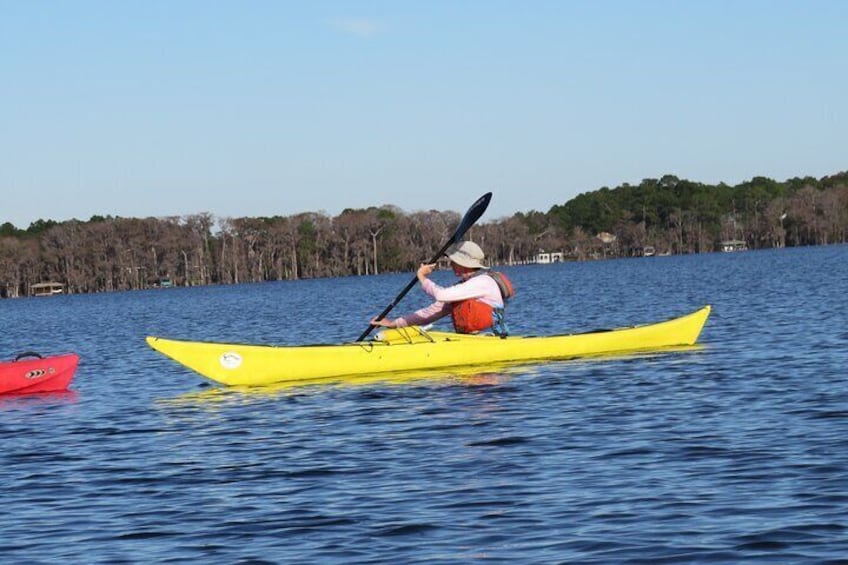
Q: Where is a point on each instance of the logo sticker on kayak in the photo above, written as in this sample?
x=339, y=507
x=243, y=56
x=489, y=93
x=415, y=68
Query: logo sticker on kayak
x=230, y=360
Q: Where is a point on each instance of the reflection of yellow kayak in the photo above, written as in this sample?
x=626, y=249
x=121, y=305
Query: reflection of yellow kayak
x=462, y=376
x=413, y=349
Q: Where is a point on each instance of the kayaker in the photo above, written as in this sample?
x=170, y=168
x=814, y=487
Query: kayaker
x=476, y=303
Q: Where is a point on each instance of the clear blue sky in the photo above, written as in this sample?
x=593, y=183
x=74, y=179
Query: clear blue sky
x=252, y=108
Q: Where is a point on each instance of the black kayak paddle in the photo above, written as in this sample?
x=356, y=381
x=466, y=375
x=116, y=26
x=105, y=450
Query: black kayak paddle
x=472, y=215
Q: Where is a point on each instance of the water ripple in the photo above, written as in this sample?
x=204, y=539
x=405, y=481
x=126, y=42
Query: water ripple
x=736, y=452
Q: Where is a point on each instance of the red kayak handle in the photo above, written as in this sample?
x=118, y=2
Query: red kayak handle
x=29, y=354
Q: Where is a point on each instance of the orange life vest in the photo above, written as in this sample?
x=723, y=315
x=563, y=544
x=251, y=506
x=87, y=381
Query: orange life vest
x=472, y=315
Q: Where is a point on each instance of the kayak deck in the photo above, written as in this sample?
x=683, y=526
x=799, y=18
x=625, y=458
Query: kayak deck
x=413, y=349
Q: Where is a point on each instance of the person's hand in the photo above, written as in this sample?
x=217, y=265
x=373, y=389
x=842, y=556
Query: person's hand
x=383, y=322
x=424, y=270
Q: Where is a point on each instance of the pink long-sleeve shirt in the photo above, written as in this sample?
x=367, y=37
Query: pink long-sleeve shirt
x=481, y=287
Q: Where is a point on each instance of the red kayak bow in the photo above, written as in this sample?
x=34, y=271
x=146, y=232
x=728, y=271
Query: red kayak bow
x=25, y=375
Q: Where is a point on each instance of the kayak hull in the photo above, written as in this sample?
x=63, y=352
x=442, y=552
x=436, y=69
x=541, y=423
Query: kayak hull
x=413, y=349
x=43, y=374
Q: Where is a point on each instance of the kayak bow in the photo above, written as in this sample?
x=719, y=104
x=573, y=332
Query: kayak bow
x=413, y=349
x=42, y=374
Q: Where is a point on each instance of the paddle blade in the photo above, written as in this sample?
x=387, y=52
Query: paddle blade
x=471, y=216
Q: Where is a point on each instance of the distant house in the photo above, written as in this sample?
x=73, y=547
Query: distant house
x=546, y=257
x=46, y=289
x=730, y=245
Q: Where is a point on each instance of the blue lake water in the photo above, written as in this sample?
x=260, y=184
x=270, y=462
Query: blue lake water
x=737, y=452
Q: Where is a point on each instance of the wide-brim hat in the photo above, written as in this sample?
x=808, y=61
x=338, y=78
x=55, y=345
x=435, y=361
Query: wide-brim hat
x=467, y=254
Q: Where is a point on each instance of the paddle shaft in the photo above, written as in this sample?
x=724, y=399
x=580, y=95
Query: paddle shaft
x=402, y=294
x=472, y=215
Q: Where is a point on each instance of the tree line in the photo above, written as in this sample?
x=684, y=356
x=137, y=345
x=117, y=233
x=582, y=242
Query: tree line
x=666, y=215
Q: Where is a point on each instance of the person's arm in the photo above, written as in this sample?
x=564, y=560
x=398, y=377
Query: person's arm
x=431, y=313
x=475, y=287
x=470, y=288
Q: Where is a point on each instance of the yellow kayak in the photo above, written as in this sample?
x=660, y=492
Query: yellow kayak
x=413, y=349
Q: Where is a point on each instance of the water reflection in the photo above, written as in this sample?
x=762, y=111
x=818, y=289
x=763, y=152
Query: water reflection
x=489, y=375
x=26, y=401
x=475, y=376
